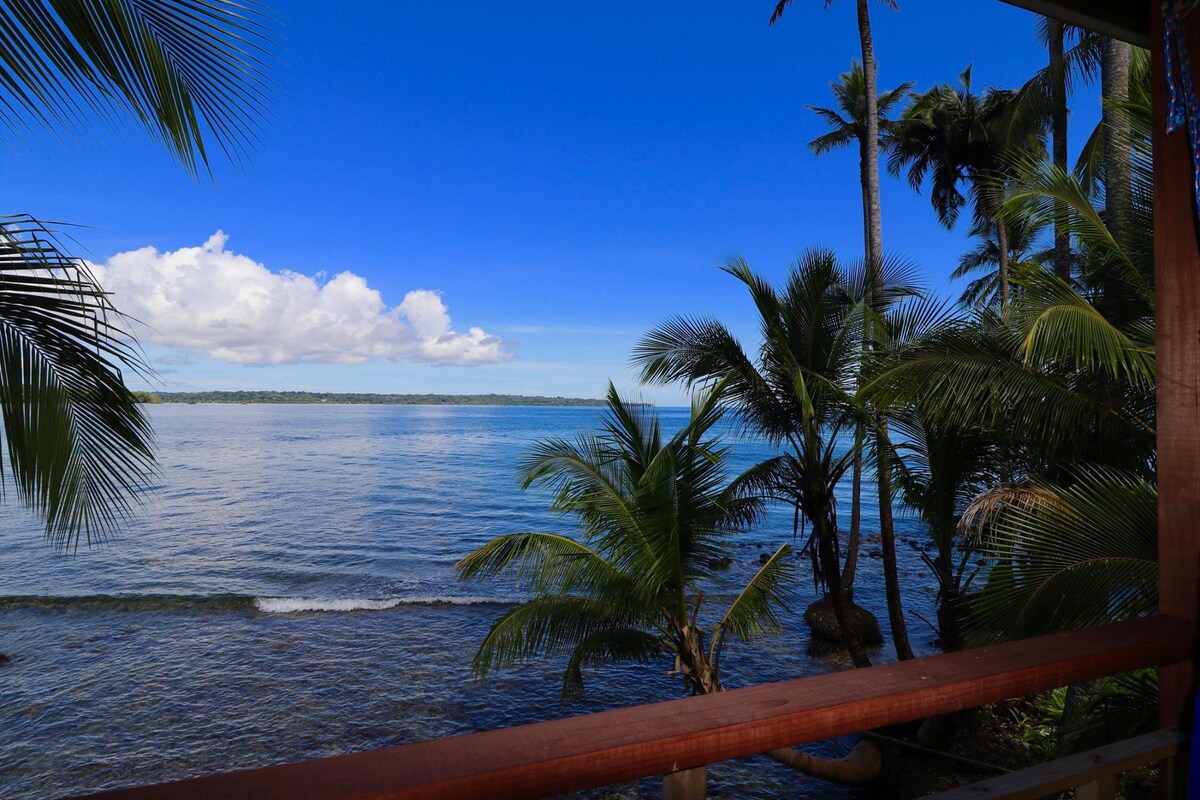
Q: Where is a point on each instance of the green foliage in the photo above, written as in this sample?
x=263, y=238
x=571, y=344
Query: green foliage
x=354, y=398
x=654, y=517
x=848, y=122
x=189, y=71
x=1068, y=556
x=79, y=449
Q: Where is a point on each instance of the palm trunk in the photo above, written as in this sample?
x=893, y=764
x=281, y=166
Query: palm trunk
x=687, y=784
x=1058, y=99
x=949, y=608
x=887, y=539
x=860, y=767
x=1002, y=245
x=871, y=155
x=854, y=540
x=832, y=575
x=1118, y=180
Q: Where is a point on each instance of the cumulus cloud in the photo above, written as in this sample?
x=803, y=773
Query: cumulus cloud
x=221, y=305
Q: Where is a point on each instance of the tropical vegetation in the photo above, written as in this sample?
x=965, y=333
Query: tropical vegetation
x=194, y=74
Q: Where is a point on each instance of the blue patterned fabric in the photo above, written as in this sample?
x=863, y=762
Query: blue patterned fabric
x=1183, y=110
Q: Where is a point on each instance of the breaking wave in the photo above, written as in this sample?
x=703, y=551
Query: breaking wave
x=233, y=602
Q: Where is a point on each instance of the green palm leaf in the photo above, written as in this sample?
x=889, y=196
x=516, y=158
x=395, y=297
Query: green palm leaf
x=752, y=614
x=80, y=449
x=185, y=69
x=1068, y=556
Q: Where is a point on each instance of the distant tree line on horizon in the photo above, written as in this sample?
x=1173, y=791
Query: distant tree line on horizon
x=356, y=398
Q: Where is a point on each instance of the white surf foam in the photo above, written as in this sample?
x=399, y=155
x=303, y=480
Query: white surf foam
x=291, y=605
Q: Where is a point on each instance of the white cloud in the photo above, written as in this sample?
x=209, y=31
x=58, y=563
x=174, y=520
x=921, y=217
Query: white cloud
x=221, y=305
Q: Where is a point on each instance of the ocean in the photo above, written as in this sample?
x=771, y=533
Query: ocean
x=287, y=593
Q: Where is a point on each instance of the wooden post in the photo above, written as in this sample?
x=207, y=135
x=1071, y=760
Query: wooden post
x=1103, y=789
x=1177, y=286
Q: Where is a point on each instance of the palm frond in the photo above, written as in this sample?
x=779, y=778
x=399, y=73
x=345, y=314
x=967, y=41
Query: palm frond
x=184, y=69
x=1069, y=556
x=80, y=449
x=753, y=612
x=610, y=646
x=552, y=625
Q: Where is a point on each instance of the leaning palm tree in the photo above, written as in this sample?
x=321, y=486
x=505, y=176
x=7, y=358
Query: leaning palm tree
x=194, y=73
x=655, y=515
x=799, y=393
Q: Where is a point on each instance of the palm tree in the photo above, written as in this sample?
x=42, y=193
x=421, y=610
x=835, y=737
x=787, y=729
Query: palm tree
x=962, y=141
x=848, y=122
x=940, y=470
x=654, y=515
x=1055, y=31
x=192, y=73
x=849, y=126
x=799, y=393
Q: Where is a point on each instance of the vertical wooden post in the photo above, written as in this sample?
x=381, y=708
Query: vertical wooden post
x=1103, y=789
x=1177, y=286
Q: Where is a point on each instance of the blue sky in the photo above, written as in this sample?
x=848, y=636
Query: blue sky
x=558, y=176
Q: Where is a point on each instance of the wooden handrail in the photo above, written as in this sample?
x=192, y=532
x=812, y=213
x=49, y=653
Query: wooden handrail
x=1069, y=772
x=549, y=758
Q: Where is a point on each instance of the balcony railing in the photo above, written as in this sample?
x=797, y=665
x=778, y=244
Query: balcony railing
x=593, y=750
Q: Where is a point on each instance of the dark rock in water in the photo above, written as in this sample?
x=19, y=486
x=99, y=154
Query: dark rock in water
x=4, y=660
x=764, y=558
x=720, y=563
x=875, y=554
x=823, y=623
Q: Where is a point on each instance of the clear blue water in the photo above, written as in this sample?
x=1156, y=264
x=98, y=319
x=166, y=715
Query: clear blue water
x=275, y=601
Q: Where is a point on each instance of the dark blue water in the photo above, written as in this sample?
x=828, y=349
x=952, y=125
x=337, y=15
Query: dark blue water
x=288, y=593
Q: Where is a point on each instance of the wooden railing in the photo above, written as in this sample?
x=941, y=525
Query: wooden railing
x=1091, y=774
x=549, y=758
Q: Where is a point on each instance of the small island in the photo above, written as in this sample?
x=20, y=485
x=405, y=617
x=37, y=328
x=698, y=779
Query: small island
x=354, y=398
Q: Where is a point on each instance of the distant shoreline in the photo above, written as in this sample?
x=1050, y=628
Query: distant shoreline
x=355, y=398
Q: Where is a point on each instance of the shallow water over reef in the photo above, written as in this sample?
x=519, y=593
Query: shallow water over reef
x=288, y=594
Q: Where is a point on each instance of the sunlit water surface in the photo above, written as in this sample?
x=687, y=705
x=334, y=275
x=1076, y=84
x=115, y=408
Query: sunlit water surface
x=288, y=593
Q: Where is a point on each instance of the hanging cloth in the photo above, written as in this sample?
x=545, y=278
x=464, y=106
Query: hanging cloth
x=1183, y=110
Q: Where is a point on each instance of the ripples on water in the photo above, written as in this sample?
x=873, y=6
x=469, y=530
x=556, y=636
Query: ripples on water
x=276, y=602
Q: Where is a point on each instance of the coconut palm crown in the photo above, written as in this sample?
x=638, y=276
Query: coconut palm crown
x=655, y=516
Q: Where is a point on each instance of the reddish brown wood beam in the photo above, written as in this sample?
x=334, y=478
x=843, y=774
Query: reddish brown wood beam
x=597, y=749
x=1177, y=286
x=1126, y=20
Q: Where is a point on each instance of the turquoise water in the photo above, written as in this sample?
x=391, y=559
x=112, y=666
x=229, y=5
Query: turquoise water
x=287, y=593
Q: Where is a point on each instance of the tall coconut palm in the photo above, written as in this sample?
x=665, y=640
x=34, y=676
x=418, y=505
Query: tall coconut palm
x=848, y=123
x=849, y=126
x=193, y=73
x=1055, y=32
x=799, y=392
x=654, y=515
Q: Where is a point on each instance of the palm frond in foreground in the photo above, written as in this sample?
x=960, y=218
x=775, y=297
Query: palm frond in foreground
x=79, y=447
